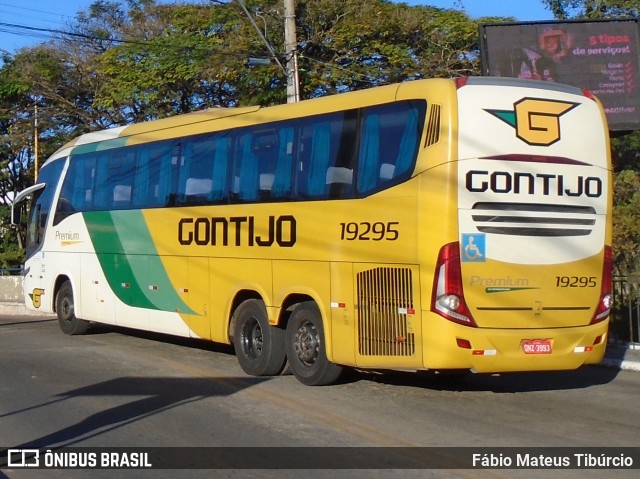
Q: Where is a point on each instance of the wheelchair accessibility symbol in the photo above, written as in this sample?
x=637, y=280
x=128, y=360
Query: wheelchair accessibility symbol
x=473, y=247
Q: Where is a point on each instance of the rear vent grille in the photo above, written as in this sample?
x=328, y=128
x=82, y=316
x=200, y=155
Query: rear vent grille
x=433, y=126
x=533, y=219
x=385, y=299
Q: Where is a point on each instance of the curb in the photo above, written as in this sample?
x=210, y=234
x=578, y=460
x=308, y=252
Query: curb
x=621, y=364
x=18, y=309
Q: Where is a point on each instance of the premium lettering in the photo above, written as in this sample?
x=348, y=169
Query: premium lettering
x=238, y=231
x=479, y=181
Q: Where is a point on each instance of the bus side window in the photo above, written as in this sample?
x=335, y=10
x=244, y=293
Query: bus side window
x=152, y=175
x=408, y=147
x=246, y=179
x=340, y=174
x=281, y=187
x=368, y=169
x=77, y=190
x=265, y=148
x=388, y=145
x=121, y=196
x=185, y=160
x=141, y=178
x=339, y=180
x=326, y=158
x=121, y=165
x=219, y=169
x=196, y=175
x=319, y=159
x=100, y=195
x=168, y=164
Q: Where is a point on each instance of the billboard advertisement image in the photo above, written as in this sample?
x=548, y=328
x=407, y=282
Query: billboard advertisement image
x=601, y=56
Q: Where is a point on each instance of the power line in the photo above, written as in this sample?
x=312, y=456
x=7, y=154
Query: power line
x=24, y=34
x=17, y=7
x=51, y=32
x=48, y=31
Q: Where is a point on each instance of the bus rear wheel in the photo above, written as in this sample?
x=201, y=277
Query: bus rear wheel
x=65, y=310
x=305, y=346
x=259, y=346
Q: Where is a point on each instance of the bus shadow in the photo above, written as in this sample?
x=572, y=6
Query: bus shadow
x=585, y=377
x=148, y=397
x=193, y=343
x=34, y=320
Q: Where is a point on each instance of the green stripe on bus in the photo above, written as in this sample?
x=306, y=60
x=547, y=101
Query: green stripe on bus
x=99, y=146
x=130, y=262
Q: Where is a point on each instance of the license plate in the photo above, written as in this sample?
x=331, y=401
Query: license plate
x=536, y=346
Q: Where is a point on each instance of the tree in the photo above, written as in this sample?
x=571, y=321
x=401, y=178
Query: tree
x=565, y=9
x=11, y=250
x=16, y=153
x=172, y=59
x=125, y=61
x=351, y=45
x=626, y=225
x=625, y=147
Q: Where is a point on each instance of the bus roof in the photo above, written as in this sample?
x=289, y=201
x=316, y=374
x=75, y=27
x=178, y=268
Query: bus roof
x=120, y=136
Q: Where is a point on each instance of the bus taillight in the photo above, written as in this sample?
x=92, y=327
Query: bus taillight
x=606, y=295
x=589, y=94
x=461, y=81
x=448, y=295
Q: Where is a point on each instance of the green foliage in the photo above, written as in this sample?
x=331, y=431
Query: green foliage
x=565, y=9
x=626, y=221
x=11, y=253
x=350, y=45
x=135, y=60
x=127, y=61
x=625, y=148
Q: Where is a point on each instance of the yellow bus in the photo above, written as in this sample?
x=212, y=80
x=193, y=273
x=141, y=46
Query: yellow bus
x=440, y=224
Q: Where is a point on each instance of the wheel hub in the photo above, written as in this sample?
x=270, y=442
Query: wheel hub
x=307, y=344
x=67, y=308
x=254, y=340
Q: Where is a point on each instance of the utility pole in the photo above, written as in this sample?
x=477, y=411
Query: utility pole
x=291, y=51
x=262, y=37
x=35, y=144
x=290, y=47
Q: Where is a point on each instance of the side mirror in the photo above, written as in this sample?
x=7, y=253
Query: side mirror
x=19, y=200
x=16, y=213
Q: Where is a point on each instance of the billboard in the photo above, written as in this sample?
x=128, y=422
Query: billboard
x=601, y=56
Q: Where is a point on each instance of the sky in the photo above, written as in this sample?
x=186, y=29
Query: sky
x=56, y=14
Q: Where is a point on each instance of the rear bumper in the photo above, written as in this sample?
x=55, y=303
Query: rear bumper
x=501, y=350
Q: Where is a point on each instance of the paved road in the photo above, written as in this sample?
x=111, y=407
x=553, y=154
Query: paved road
x=119, y=388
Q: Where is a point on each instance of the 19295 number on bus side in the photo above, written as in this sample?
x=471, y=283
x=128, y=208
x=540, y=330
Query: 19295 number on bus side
x=366, y=231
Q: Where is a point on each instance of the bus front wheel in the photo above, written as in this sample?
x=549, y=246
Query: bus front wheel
x=306, y=347
x=259, y=346
x=65, y=310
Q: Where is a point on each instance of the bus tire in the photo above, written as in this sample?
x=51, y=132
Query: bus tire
x=65, y=309
x=259, y=346
x=305, y=346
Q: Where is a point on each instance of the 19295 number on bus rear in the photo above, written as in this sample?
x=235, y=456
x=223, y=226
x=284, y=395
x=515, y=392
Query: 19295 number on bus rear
x=576, y=282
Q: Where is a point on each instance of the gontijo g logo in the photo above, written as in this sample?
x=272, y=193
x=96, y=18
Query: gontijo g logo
x=537, y=121
x=35, y=297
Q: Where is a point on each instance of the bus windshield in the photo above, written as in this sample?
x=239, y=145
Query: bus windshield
x=41, y=205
